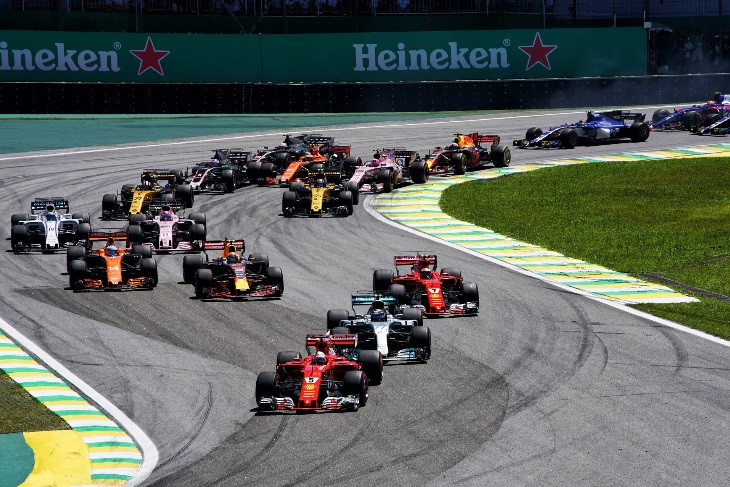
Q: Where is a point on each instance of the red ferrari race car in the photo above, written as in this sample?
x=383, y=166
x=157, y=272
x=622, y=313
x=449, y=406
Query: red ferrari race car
x=436, y=293
x=466, y=152
x=230, y=276
x=325, y=379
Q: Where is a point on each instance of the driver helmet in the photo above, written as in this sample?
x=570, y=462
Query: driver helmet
x=166, y=216
x=710, y=103
x=111, y=250
x=147, y=184
x=320, y=358
x=233, y=258
x=379, y=315
x=425, y=274
x=319, y=183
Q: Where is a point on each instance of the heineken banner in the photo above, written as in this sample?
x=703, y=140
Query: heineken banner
x=313, y=58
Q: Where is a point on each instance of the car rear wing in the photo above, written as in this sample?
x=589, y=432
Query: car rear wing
x=329, y=175
x=156, y=206
x=97, y=236
x=318, y=140
x=169, y=175
x=40, y=204
x=415, y=259
x=480, y=139
x=223, y=244
x=238, y=156
x=343, y=340
x=369, y=299
x=624, y=115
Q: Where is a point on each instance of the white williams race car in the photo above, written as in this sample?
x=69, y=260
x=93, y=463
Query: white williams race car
x=49, y=227
x=380, y=323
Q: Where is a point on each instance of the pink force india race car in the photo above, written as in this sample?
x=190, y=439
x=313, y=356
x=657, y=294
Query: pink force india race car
x=166, y=231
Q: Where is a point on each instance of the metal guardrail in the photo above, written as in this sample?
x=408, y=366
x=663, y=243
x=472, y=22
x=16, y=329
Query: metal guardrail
x=559, y=9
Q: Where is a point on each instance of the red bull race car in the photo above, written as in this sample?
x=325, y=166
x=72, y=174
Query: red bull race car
x=325, y=379
x=230, y=276
x=468, y=152
x=439, y=293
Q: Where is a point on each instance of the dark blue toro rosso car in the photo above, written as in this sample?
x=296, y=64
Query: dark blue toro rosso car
x=597, y=127
x=693, y=118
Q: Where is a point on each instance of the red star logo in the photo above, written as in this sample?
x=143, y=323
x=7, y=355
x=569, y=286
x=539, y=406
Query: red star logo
x=537, y=52
x=150, y=58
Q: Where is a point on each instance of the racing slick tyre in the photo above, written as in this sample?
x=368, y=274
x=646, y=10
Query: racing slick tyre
x=282, y=159
x=82, y=231
x=470, y=293
x=413, y=314
x=451, y=271
x=17, y=218
x=265, y=386
x=268, y=170
x=398, y=291
x=382, y=278
x=501, y=156
x=73, y=253
x=459, y=163
x=199, y=217
x=386, y=178
x=533, y=133
x=289, y=203
x=137, y=218
x=297, y=186
x=167, y=198
x=229, y=180
x=198, y=232
x=18, y=236
x=659, y=114
x=345, y=199
x=144, y=250
x=350, y=164
x=351, y=186
x=421, y=338
x=419, y=171
x=340, y=330
x=203, y=280
x=355, y=382
x=253, y=170
x=693, y=121
x=568, y=138
x=76, y=272
x=287, y=356
x=712, y=119
x=184, y=192
x=109, y=202
x=275, y=277
x=259, y=260
x=84, y=217
x=148, y=268
x=191, y=263
x=639, y=132
x=335, y=316
x=135, y=235
x=371, y=362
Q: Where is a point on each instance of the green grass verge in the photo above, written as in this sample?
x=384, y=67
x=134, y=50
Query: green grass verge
x=21, y=412
x=666, y=217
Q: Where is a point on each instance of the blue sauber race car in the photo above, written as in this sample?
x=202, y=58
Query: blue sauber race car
x=597, y=127
x=694, y=118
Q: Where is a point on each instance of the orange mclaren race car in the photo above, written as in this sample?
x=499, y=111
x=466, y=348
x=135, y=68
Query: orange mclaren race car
x=229, y=275
x=111, y=267
x=326, y=379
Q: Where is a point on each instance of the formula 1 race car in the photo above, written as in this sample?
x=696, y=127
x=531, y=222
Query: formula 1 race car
x=231, y=277
x=436, y=293
x=388, y=169
x=382, y=324
x=292, y=160
x=693, y=118
x=135, y=199
x=466, y=152
x=597, y=127
x=110, y=267
x=324, y=379
x=324, y=196
x=717, y=124
x=166, y=231
x=223, y=173
x=49, y=227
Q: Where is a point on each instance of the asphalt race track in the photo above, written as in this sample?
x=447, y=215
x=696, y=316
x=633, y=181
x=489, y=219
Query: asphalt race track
x=544, y=387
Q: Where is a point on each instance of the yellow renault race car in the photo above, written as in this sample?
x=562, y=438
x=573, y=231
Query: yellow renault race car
x=325, y=195
x=135, y=199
